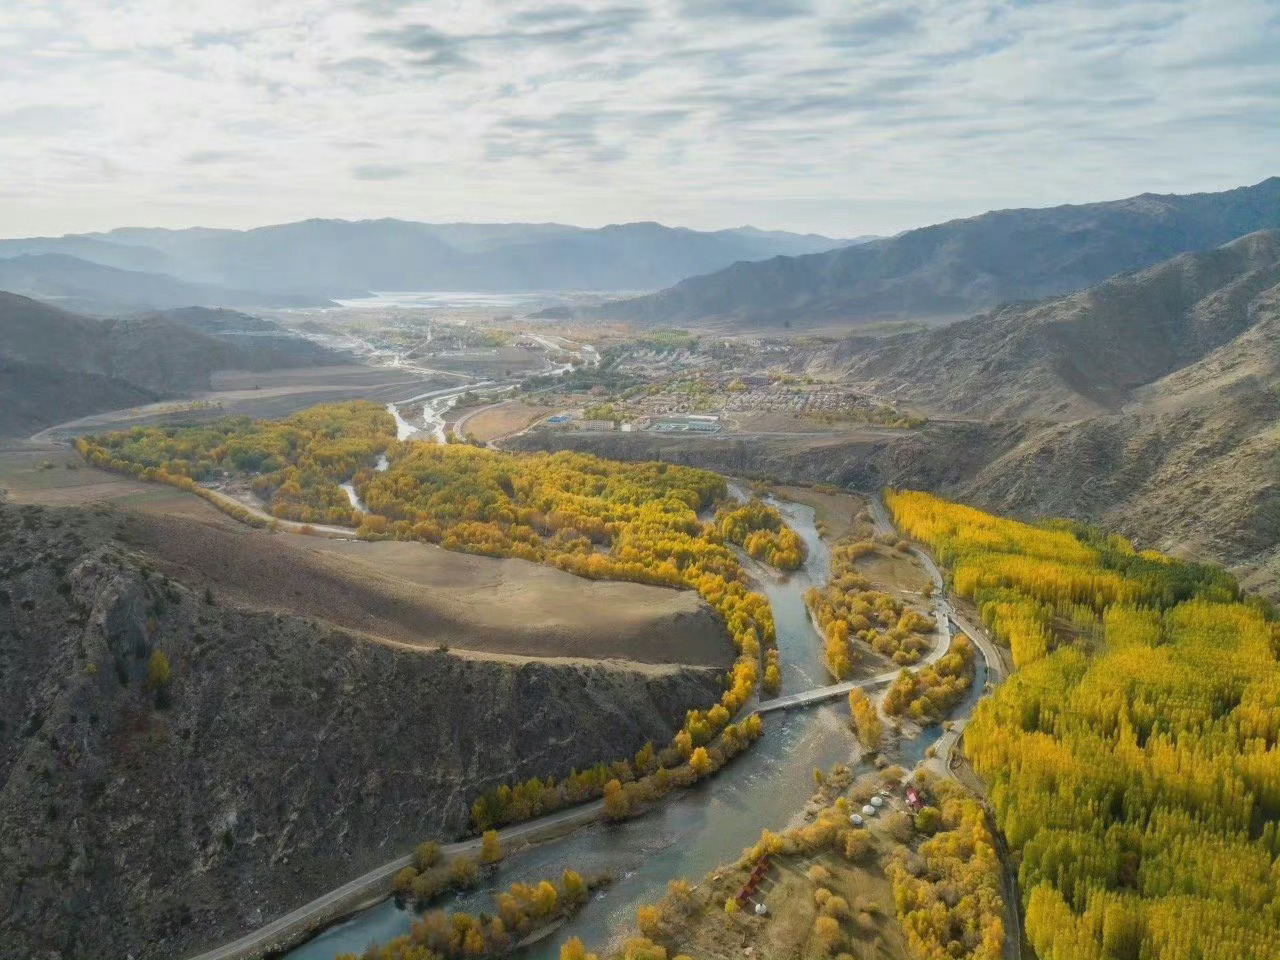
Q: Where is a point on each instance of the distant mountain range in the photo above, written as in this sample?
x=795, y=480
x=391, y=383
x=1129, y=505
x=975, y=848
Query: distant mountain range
x=56, y=365
x=93, y=288
x=307, y=263
x=954, y=269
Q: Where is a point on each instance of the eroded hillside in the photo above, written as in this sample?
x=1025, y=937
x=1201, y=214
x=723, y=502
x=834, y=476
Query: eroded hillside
x=272, y=756
x=1082, y=354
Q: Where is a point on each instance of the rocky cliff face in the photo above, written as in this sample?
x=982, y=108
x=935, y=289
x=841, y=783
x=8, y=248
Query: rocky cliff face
x=284, y=756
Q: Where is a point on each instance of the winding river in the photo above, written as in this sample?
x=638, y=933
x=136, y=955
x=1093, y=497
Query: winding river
x=692, y=831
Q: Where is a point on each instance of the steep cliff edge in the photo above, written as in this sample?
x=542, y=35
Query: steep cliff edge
x=282, y=757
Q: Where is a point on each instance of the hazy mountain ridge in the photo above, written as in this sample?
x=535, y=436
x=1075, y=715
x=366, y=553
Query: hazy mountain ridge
x=340, y=258
x=94, y=288
x=119, y=362
x=956, y=268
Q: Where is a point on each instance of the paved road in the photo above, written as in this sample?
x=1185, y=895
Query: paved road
x=285, y=931
x=289, y=526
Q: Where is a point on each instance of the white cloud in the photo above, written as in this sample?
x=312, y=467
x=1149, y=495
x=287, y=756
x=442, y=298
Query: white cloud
x=839, y=116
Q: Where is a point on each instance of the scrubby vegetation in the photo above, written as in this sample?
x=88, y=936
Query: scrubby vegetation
x=428, y=878
x=847, y=609
x=760, y=530
x=865, y=719
x=521, y=910
x=947, y=894
x=1134, y=765
x=927, y=695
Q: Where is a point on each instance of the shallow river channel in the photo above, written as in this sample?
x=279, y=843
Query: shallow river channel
x=693, y=831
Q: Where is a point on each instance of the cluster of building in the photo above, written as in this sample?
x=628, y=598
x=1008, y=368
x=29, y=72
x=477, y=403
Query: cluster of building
x=793, y=401
x=675, y=423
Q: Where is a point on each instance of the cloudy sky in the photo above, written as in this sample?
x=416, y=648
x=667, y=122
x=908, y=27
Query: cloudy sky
x=837, y=116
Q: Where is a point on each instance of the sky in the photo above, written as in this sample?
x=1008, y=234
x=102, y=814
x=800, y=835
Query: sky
x=840, y=117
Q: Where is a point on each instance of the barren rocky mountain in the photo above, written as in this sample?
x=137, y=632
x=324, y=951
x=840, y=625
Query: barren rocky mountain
x=1078, y=355
x=281, y=754
x=953, y=269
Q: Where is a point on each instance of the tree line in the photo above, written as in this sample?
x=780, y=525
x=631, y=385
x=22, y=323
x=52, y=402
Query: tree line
x=520, y=910
x=295, y=464
x=760, y=530
x=1134, y=767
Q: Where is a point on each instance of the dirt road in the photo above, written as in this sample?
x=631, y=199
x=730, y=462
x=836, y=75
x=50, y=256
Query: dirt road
x=292, y=928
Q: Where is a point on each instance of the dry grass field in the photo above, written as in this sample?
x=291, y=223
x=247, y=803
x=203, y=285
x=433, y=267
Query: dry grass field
x=497, y=421
x=402, y=592
x=837, y=512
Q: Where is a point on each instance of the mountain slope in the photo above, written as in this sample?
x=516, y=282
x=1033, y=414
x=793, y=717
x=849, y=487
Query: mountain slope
x=956, y=268
x=1196, y=479
x=261, y=344
x=1081, y=354
x=285, y=755
x=33, y=396
x=102, y=290
x=346, y=258
x=1168, y=383
x=59, y=365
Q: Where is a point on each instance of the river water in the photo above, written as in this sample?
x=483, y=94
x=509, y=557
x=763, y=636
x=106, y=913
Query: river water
x=693, y=831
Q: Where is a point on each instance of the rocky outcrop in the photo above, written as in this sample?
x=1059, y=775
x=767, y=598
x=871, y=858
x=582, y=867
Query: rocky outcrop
x=283, y=757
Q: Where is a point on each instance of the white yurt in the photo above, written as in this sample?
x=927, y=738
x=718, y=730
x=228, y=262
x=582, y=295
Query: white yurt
x=868, y=811
x=877, y=801
x=856, y=820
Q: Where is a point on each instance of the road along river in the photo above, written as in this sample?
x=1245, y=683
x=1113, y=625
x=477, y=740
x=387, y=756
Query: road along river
x=692, y=831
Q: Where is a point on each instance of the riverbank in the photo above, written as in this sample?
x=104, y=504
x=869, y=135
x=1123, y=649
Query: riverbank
x=695, y=830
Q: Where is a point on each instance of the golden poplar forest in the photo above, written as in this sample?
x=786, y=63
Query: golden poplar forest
x=759, y=529
x=847, y=609
x=1132, y=759
x=596, y=518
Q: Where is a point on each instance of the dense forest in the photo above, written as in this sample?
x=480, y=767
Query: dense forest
x=1133, y=758
x=847, y=609
x=760, y=530
x=295, y=464
x=597, y=518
